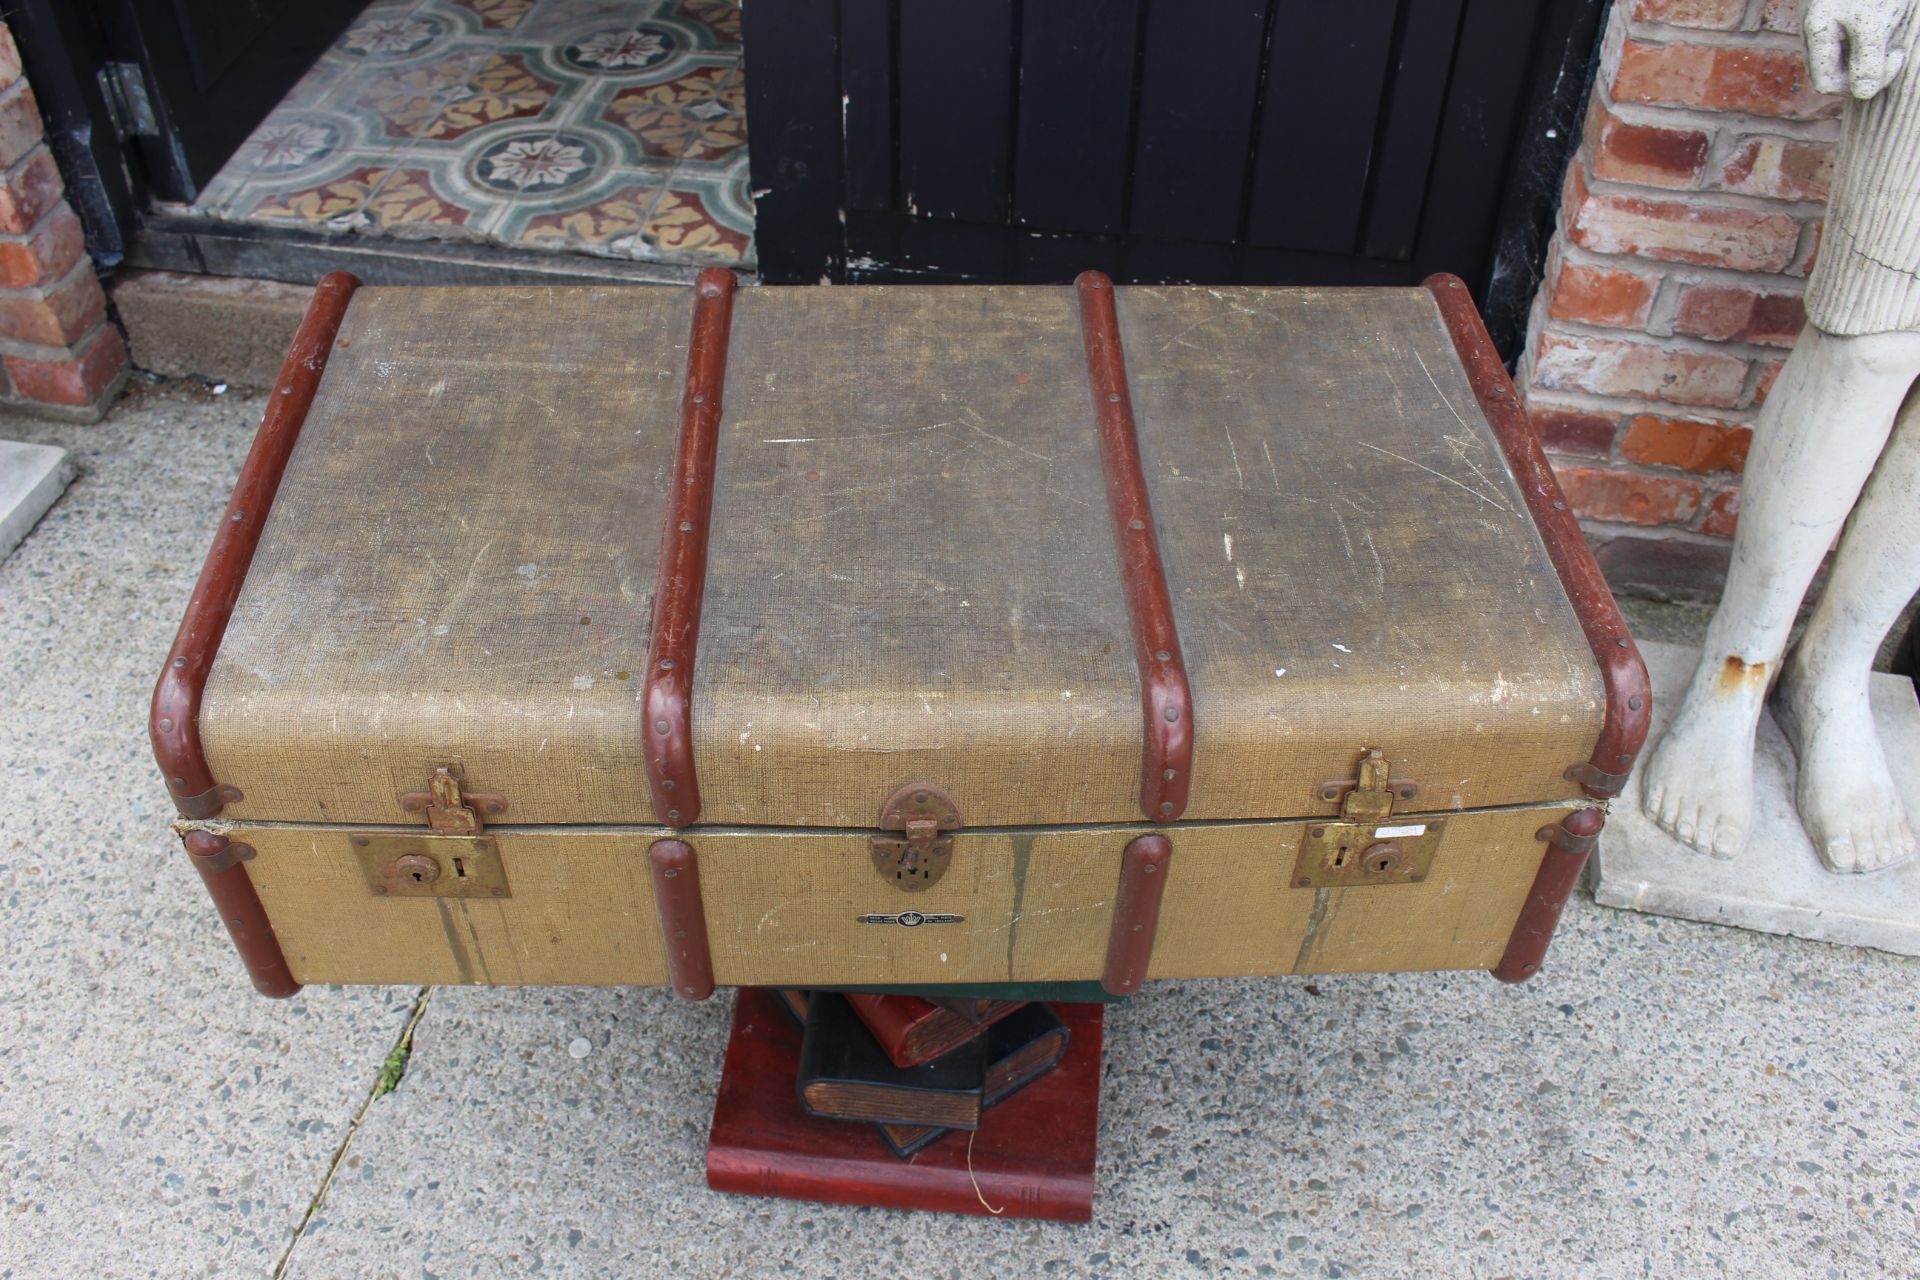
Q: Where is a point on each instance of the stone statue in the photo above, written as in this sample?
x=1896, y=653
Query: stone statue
x=1840, y=433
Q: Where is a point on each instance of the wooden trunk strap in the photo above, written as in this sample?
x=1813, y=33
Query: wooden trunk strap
x=222, y=865
x=681, y=577
x=1144, y=868
x=174, y=722
x=1166, y=766
x=683, y=917
x=1629, y=693
x=1570, y=841
x=1629, y=712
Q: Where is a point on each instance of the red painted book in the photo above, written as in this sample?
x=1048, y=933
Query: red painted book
x=913, y=1030
x=1031, y=1158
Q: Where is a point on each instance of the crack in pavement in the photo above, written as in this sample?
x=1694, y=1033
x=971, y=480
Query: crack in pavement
x=385, y=1081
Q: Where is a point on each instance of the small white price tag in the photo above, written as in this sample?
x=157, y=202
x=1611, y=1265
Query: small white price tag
x=1389, y=833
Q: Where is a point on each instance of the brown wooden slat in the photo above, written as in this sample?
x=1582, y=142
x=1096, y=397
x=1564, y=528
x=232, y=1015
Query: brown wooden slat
x=1540, y=915
x=174, y=723
x=1629, y=710
x=1629, y=692
x=1136, y=913
x=683, y=917
x=682, y=574
x=222, y=867
x=1166, y=766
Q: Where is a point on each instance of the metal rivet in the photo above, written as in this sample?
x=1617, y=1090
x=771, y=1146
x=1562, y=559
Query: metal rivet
x=179, y=782
x=686, y=526
x=667, y=784
x=1166, y=806
x=1622, y=642
x=1150, y=867
x=1113, y=397
x=700, y=398
x=670, y=873
x=179, y=663
x=1305, y=881
x=1136, y=524
x=666, y=664
x=237, y=516
x=1173, y=713
x=1633, y=703
x=673, y=815
x=1140, y=928
x=166, y=725
x=688, y=990
x=1162, y=655
x=1169, y=775
x=1318, y=832
x=659, y=726
x=1559, y=506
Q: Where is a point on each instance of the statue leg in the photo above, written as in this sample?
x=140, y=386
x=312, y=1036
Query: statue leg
x=1846, y=795
x=1818, y=437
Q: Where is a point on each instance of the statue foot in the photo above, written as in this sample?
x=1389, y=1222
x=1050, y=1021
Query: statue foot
x=1698, y=784
x=1848, y=804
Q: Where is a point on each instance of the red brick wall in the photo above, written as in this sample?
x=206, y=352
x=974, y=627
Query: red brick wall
x=1689, y=221
x=60, y=355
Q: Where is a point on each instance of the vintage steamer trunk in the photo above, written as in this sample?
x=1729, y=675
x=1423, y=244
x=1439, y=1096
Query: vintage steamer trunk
x=961, y=637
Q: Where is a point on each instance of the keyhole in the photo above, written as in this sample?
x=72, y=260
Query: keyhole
x=418, y=868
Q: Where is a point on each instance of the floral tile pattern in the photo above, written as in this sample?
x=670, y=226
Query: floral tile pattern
x=701, y=116
x=608, y=127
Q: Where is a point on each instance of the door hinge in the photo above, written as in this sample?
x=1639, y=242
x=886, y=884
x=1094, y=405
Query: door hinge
x=124, y=86
x=1367, y=846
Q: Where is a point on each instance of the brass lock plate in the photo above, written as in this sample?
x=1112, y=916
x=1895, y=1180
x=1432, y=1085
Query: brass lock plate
x=419, y=865
x=1349, y=855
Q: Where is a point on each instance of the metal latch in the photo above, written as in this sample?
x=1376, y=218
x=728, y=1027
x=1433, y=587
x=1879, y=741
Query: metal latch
x=450, y=810
x=455, y=859
x=1366, y=846
x=918, y=857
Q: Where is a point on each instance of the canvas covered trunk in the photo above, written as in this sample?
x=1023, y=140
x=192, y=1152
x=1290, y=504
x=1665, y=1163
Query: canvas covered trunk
x=958, y=636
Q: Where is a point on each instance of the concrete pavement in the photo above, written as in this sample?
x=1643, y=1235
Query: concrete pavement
x=1667, y=1099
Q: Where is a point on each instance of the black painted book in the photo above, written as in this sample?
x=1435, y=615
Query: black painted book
x=846, y=1075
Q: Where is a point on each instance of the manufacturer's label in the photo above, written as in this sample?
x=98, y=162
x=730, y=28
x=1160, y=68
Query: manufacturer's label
x=910, y=919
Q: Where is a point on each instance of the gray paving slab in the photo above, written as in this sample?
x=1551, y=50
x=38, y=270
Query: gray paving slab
x=1667, y=1099
x=32, y=478
x=156, y=1117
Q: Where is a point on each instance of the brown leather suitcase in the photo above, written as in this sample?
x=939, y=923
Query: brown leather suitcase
x=963, y=638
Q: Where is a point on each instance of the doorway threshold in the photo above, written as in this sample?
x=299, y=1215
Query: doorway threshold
x=175, y=238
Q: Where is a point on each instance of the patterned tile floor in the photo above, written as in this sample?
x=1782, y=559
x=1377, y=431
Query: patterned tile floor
x=610, y=127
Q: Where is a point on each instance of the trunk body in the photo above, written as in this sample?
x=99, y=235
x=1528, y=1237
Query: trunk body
x=1009, y=578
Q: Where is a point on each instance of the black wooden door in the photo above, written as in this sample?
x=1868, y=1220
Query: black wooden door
x=1363, y=141
x=212, y=70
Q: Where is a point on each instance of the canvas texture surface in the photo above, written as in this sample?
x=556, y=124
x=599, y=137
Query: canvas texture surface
x=783, y=908
x=911, y=575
